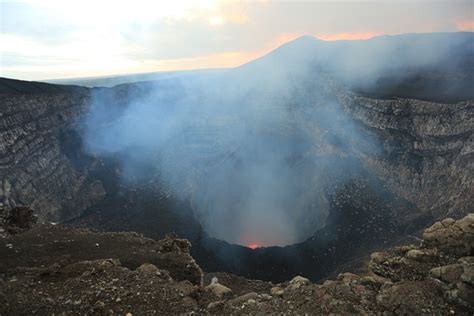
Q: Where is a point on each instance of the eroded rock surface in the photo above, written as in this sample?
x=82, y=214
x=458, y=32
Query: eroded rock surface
x=148, y=277
x=427, y=148
x=35, y=169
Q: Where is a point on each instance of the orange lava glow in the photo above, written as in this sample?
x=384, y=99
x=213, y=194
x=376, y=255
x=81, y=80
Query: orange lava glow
x=253, y=246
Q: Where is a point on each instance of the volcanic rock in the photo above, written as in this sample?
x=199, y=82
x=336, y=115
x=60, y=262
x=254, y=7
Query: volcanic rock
x=455, y=237
x=219, y=290
x=63, y=282
x=450, y=273
x=297, y=282
x=277, y=291
x=19, y=218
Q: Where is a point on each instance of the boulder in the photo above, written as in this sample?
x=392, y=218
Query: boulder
x=148, y=268
x=450, y=273
x=419, y=255
x=277, y=291
x=297, y=282
x=219, y=290
x=348, y=277
x=244, y=298
x=452, y=237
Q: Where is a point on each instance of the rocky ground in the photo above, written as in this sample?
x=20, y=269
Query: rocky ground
x=54, y=269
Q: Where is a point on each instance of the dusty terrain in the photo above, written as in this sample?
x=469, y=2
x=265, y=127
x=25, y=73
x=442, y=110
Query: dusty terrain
x=53, y=269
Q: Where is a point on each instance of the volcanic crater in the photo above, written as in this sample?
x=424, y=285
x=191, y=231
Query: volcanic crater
x=303, y=171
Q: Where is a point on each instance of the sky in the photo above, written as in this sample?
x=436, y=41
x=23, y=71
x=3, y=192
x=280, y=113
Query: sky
x=52, y=39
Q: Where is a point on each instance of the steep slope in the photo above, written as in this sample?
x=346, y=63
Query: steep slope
x=37, y=145
x=428, y=153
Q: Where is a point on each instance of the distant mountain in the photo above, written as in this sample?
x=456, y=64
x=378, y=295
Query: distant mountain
x=434, y=66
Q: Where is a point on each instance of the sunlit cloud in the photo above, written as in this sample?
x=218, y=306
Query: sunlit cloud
x=465, y=26
x=348, y=36
x=57, y=38
x=216, y=20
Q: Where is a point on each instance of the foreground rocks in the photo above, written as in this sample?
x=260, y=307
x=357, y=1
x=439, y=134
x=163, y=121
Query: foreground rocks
x=57, y=245
x=54, y=270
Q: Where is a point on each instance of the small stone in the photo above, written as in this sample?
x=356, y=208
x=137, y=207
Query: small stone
x=118, y=300
x=277, y=291
x=49, y=300
x=419, y=255
x=297, y=282
x=348, y=277
x=99, y=306
x=468, y=274
x=265, y=296
x=244, y=298
x=466, y=260
x=404, y=249
x=436, y=272
x=215, y=304
x=373, y=280
x=189, y=302
x=147, y=268
x=219, y=290
x=450, y=273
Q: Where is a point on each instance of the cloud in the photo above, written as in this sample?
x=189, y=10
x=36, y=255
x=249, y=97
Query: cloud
x=154, y=34
x=347, y=36
x=465, y=26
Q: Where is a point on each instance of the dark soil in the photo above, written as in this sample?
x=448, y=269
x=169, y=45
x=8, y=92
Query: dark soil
x=58, y=270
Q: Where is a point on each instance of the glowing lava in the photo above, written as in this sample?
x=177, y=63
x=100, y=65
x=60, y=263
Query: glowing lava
x=253, y=246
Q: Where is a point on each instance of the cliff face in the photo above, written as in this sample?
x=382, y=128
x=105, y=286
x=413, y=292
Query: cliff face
x=404, y=151
x=427, y=152
x=37, y=167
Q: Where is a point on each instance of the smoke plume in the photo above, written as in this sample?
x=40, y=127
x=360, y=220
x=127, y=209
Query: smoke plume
x=254, y=148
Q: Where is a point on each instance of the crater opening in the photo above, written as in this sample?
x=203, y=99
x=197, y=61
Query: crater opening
x=282, y=166
x=266, y=196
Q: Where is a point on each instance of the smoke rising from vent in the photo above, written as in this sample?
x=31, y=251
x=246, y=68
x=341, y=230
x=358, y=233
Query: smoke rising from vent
x=255, y=148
